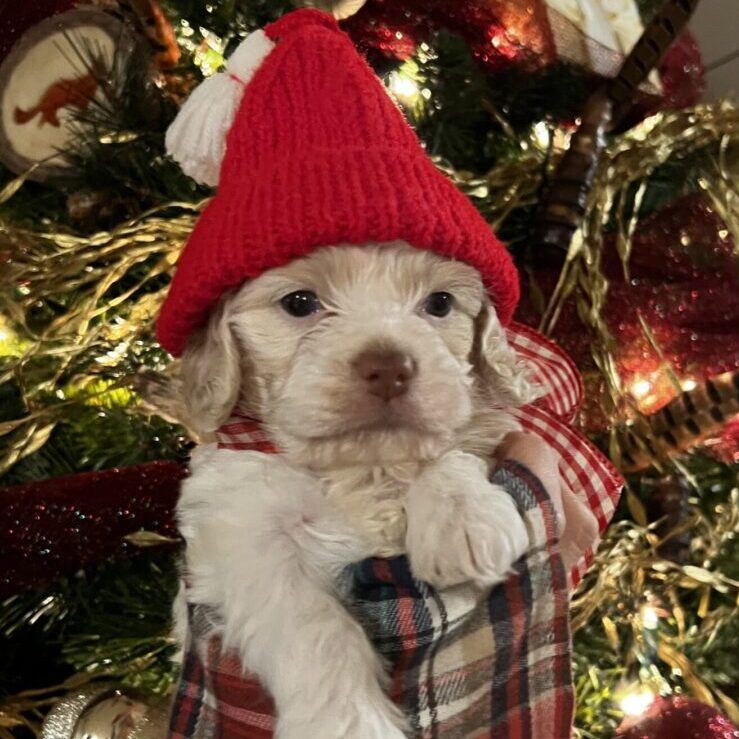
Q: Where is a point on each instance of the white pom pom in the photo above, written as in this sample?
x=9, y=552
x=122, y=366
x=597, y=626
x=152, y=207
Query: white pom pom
x=196, y=139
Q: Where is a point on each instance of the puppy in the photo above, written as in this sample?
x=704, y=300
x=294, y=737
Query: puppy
x=382, y=375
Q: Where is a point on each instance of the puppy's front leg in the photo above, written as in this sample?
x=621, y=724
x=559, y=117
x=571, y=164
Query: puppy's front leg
x=461, y=527
x=269, y=550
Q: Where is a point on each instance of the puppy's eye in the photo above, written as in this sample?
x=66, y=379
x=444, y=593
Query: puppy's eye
x=439, y=304
x=301, y=303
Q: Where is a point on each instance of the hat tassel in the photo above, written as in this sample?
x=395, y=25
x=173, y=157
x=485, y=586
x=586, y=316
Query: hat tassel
x=196, y=139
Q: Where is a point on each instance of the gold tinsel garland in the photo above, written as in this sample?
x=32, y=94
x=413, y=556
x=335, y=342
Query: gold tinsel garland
x=632, y=596
x=92, y=277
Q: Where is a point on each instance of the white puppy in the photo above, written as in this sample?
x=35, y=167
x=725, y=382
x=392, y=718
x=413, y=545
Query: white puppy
x=382, y=374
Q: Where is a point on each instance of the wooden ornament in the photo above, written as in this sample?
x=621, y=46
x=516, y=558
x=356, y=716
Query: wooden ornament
x=55, y=69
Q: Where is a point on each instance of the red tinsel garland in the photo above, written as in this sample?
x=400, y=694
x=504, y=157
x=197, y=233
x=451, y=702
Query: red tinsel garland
x=53, y=528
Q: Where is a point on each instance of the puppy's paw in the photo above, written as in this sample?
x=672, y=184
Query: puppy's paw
x=461, y=527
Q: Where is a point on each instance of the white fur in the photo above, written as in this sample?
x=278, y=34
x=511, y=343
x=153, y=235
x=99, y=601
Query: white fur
x=265, y=547
x=196, y=139
x=266, y=535
x=461, y=527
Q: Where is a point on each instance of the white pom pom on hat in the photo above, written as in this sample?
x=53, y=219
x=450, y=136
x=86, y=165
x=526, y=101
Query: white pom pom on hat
x=196, y=139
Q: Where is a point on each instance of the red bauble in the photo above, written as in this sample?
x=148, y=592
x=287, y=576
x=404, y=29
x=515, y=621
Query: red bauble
x=678, y=717
x=53, y=528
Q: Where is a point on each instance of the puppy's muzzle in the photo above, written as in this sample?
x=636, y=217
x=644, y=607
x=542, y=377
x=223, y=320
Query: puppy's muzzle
x=386, y=374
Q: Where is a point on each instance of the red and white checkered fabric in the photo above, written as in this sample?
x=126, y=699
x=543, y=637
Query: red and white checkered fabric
x=583, y=468
x=241, y=433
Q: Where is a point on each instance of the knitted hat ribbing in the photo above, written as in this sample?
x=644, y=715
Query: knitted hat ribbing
x=319, y=155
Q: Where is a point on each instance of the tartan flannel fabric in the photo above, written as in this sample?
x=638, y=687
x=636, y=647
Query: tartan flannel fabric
x=464, y=666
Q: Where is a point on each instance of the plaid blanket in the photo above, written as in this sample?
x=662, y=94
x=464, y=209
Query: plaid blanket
x=463, y=666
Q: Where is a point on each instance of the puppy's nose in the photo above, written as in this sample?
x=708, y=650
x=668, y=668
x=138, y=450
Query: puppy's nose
x=388, y=374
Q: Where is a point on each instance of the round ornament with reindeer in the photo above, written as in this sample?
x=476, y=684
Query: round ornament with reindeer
x=50, y=78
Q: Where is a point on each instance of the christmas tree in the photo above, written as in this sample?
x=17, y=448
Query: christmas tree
x=615, y=190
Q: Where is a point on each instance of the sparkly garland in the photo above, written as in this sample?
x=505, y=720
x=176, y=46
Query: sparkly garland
x=53, y=528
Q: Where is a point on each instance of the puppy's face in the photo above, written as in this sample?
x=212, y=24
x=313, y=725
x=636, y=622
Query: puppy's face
x=353, y=354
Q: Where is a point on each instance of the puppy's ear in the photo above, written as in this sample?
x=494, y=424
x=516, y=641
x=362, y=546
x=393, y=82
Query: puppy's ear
x=507, y=378
x=211, y=371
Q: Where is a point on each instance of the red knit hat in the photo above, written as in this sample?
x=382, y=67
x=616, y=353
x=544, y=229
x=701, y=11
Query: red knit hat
x=318, y=154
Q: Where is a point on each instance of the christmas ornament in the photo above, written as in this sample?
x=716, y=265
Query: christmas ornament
x=58, y=67
x=678, y=717
x=106, y=712
x=52, y=528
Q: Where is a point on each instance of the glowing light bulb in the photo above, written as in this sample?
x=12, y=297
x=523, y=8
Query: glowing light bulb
x=404, y=88
x=636, y=701
x=541, y=135
x=689, y=384
x=641, y=388
x=5, y=332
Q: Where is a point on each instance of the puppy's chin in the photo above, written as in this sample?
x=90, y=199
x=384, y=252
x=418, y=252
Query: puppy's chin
x=360, y=415
x=380, y=446
x=367, y=431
